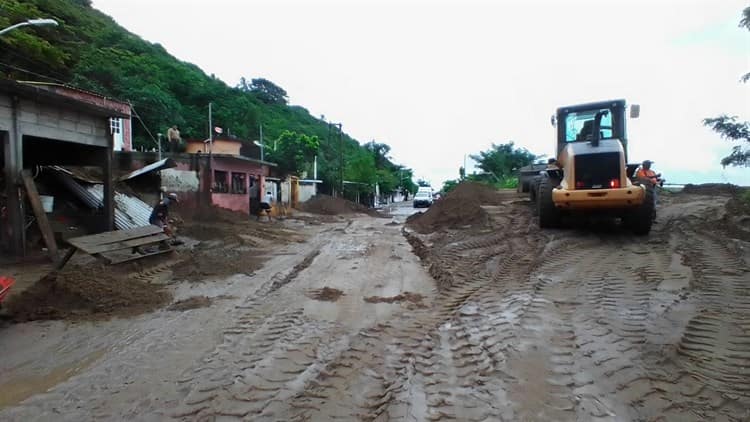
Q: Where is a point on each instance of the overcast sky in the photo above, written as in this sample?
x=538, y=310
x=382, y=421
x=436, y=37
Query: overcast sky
x=440, y=79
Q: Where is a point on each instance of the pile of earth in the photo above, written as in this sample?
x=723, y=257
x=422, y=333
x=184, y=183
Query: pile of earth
x=214, y=214
x=711, y=189
x=460, y=207
x=218, y=262
x=328, y=205
x=214, y=223
x=85, y=293
x=736, y=221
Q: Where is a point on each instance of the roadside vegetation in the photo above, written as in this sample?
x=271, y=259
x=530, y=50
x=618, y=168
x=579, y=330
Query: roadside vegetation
x=89, y=50
x=498, y=167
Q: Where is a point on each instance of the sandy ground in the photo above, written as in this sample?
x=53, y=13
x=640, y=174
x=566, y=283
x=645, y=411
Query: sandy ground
x=496, y=322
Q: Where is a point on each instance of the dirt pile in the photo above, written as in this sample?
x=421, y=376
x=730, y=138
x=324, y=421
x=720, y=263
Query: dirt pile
x=736, y=221
x=217, y=262
x=711, y=189
x=328, y=205
x=460, y=207
x=325, y=294
x=85, y=293
x=413, y=298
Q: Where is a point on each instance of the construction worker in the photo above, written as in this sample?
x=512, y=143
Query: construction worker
x=646, y=175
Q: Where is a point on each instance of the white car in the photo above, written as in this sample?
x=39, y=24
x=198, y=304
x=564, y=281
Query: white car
x=422, y=199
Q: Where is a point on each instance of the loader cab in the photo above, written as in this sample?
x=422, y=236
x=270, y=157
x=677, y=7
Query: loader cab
x=591, y=123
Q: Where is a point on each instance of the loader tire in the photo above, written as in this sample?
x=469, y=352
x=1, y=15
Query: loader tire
x=641, y=220
x=549, y=215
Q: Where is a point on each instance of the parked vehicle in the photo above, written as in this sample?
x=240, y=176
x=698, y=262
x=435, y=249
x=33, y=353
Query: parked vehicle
x=422, y=199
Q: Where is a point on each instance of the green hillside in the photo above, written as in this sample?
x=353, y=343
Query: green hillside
x=89, y=50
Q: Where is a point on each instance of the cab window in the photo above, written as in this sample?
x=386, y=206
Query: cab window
x=579, y=125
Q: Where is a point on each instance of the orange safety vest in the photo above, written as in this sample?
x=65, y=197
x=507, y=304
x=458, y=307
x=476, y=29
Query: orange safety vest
x=647, y=174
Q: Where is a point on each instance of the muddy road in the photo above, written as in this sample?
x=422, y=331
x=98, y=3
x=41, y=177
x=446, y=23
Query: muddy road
x=370, y=320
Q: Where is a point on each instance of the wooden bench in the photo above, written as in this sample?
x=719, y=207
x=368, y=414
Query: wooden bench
x=131, y=240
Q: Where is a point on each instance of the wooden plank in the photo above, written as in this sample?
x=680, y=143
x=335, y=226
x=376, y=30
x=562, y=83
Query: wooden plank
x=115, y=236
x=71, y=251
x=139, y=256
x=126, y=244
x=41, y=216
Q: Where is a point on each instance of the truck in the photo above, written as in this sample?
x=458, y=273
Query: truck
x=589, y=174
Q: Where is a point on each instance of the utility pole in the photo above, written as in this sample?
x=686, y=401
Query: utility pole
x=210, y=130
x=262, y=155
x=159, y=135
x=341, y=159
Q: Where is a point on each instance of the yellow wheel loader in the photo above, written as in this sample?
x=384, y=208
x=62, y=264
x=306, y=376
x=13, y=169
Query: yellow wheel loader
x=590, y=175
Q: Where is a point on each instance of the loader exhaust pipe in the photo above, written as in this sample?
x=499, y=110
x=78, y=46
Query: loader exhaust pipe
x=596, y=136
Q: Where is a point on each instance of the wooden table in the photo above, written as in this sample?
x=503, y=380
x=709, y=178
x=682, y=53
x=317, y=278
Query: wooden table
x=134, y=240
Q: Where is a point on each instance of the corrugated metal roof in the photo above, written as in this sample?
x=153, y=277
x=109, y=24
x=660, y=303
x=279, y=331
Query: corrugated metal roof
x=130, y=212
x=159, y=165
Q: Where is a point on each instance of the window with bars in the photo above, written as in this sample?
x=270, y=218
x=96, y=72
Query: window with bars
x=238, y=183
x=221, y=184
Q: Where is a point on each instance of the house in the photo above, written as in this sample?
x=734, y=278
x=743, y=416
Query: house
x=232, y=177
x=54, y=125
x=120, y=127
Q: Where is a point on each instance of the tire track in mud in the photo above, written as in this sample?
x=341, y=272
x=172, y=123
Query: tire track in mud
x=271, y=347
x=527, y=325
x=715, y=345
x=431, y=362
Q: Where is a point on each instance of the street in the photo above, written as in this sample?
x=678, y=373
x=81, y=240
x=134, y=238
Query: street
x=369, y=320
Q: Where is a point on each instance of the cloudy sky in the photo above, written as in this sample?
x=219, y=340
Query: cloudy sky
x=437, y=80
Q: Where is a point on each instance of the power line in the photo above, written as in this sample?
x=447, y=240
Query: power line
x=137, y=116
x=10, y=66
x=32, y=61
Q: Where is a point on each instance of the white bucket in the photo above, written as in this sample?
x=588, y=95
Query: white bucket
x=48, y=202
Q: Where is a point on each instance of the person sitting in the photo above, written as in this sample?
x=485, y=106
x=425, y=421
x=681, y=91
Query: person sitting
x=587, y=131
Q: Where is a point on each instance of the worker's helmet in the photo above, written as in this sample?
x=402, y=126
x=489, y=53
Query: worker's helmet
x=173, y=197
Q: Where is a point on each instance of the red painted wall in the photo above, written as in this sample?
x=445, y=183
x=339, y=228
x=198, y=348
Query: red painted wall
x=236, y=202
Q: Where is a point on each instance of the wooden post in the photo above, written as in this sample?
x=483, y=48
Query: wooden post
x=108, y=191
x=41, y=216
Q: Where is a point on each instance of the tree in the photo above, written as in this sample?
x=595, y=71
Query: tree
x=502, y=162
x=729, y=128
x=267, y=91
x=449, y=185
x=380, y=153
x=422, y=183
x=745, y=23
x=294, y=152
